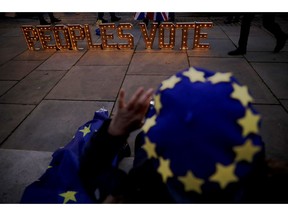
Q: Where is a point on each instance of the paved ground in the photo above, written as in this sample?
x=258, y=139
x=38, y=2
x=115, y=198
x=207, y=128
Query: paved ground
x=46, y=95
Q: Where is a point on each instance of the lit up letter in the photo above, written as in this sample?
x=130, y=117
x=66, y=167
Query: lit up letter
x=45, y=38
x=89, y=39
x=185, y=27
x=148, y=40
x=162, y=28
x=63, y=29
x=127, y=36
x=198, y=35
x=105, y=36
x=73, y=37
x=31, y=35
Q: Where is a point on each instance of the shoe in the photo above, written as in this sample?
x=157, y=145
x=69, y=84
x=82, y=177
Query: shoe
x=115, y=19
x=237, y=52
x=54, y=20
x=44, y=22
x=280, y=43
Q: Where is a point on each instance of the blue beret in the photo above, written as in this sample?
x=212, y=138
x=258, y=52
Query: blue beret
x=203, y=133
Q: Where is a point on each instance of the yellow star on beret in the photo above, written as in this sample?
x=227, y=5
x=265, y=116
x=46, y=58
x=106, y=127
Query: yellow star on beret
x=150, y=148
x=191, y=183
x=220, y=77
x=164, y=169
x=150, y=122
x=249, y=123
x=157, y=103
x=170, y=83
x=241, y=93
x=86, y=130
x=224, y=175
x=194, y=75
x=246, y=151
x=69, y=195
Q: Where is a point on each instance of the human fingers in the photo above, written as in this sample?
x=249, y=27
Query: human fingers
x=135, y=97
x=121, y=101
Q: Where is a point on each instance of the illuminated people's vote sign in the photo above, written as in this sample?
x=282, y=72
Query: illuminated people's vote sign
x=68, y=36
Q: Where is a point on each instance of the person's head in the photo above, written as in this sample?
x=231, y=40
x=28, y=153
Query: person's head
x=202, y=136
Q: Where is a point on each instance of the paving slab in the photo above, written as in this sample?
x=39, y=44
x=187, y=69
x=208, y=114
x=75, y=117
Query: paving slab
x=275, y=75
x=40, y=55
x=104, y=57
x=5, y=85
x=274, y=130
x=18, y=169
x=61, y=60
x=13, y=42
x=33, y=88
x=11, y=32
x=90, y=83
x=53, y=124
x=11, y=116
x=218, y=48
x=215, y=32
x=17, y=70
x=158, y=63
x=267, y=57
x=8, y=53
x=242, y=71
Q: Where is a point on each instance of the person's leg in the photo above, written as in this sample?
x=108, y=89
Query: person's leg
x=114, y=18
x=53, y=19
x=101, y=17
x=42, y=20
x=270, y=24
x=244, y=34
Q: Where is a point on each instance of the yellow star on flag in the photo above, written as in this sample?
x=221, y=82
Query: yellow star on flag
x=249, y=123
x=86, y=130
x=194, y=75
x=69, y=195
x=170, y=83
x=164, y=169
x=246, y=151
x=150, y=122
x=157, y=103
x=241, y=93
x=224, y=175
x=191, y=183
x=220, y=77
x=149, y=147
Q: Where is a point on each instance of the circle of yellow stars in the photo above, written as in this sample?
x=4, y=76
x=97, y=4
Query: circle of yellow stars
x=224, y=174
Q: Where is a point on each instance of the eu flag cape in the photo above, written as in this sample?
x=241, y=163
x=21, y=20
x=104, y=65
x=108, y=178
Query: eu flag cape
x=60, y=183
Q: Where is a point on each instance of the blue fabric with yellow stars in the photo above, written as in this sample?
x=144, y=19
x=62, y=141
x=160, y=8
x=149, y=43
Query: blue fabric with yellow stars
x=203, y=135
x=60, y=183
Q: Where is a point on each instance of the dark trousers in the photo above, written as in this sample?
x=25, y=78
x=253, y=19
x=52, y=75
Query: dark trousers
x=268, y=23
x=101, y=15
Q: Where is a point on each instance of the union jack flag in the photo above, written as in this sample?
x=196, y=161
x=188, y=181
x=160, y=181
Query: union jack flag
x=155, y=16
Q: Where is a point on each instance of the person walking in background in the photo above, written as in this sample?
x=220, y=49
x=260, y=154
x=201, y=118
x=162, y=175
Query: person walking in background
x=268, y=23
x=42, y=20
x=113, y=16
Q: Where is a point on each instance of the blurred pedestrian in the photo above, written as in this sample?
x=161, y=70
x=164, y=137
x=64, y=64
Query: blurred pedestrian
x=268, y=23
x=42, y=20
x=113, y=17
